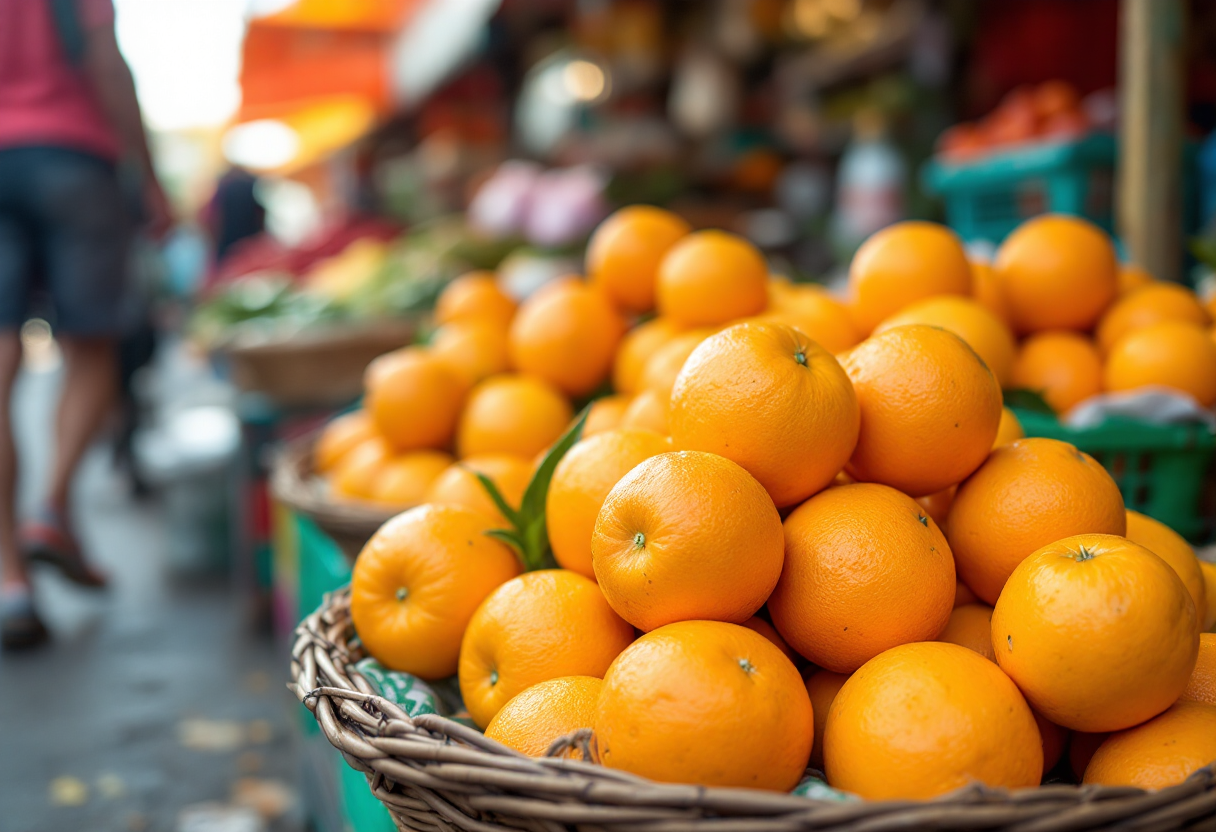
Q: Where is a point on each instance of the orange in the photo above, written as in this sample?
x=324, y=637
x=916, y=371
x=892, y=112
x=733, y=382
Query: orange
x=1147, y=306
x=1209, y=579
x=339, y=436
x=404, y=480
x=971, y=627
x=474, y=296
x=664, y=366
x=1172, y=548
x=647, y=411
x=711, y=277
x=1132, y=277
x=924, y=719
x=512, y=414
x=821, y=317
x=865, y=570
x=707, y=703
x=1081, y=748
x=1063, y=367
x=358, y=471
x=904, y=263
x=414, y=398
x=606, y=414
x=937, y=504
x=624, y=253
x=1201, y=687
x=822, y=688
x=1025, y=496
x=759, y=625
x=458, y=485
x=580, y=483
x=1162, y=752
x=636, y=348
x=1009, y=430
x=1054, y=738
x=1056, y=272
x=772, y=400
x=1097, y=631
x=418, y=580
x=687, y=535
x=545, y=712
x=964, y=595
x=566, y=334
x=986, y=289
x=929, y=409
x=968, y=319
x=534, y=628
x=475, y=349
x=1171, y=354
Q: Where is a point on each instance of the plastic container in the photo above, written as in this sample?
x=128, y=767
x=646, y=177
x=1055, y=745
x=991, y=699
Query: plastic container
x=988, y=197
x=1161, y=469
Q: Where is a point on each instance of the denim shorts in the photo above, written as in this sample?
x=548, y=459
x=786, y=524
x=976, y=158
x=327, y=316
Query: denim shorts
x=65, y=234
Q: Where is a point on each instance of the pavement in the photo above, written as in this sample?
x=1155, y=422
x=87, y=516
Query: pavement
x=157, y=706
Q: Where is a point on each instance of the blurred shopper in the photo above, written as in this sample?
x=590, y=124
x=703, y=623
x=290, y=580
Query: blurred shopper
x=234, y=212
x=68, y=112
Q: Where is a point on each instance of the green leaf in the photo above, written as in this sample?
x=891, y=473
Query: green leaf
x=533, y=504
x=510, y=538
x=536, y=545
x=1031, y=400
x=513, y=516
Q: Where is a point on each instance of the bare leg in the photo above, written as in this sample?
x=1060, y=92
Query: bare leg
x=90, y=385
x=12, y=570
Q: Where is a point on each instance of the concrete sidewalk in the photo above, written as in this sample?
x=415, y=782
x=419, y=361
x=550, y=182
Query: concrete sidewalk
x=153, y=697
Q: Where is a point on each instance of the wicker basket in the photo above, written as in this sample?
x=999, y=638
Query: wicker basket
x=294, y=484
x=436, y=774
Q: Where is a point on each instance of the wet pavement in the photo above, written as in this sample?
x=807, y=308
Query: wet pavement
x=155, y=697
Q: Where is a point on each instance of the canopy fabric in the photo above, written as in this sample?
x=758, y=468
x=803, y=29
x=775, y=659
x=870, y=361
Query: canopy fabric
x=386, y=16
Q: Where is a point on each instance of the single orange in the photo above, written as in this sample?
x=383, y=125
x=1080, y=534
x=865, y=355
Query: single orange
x=1063, y=367
x=1056, y=272
x=1025, y=496
x=459, y=486
x=1054, y=740
x=1180, y=356
x=416, y=583
x=580, y=483
x=474, y=296
x=476, y=349
x=647, y=411
x=536, y=716
x=964, y=595
x=971, y=627
x=404, y=480
x=865, y=570
x=1209, y=580
x=638, y=345
x=624, y=253
x=606, y=414
x=1132, y=277
x=687, y=535
x=359, y=470
x=930, y=409
x=1172, y=548
x=758, y=625
x=567, y=334
x=1009, y=430
x=1098, y=632
x=706, y=703
x=1147, y=306
x=339, y=436
x=415, y=398
x=937, y=504
x=921, y=720
x=968, y=319
x=821, y=317
x=1162, y=752
x=664, y=366
x=711, y=277
x=986, y=289
x=1201, y=687
x=533, y=628
x=902, y=264
x=822, y=687
x=512, y=414
x=772, y=400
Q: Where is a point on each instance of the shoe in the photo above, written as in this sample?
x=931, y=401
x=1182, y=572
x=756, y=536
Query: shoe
x=46, y=539
x=20, y=626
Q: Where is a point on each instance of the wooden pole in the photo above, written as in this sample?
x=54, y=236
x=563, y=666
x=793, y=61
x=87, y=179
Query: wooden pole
x=1150, y=152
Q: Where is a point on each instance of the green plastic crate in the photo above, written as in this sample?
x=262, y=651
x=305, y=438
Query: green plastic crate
x=1161, y=469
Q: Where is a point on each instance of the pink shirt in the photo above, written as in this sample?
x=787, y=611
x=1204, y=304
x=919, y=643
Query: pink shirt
x=45, y=101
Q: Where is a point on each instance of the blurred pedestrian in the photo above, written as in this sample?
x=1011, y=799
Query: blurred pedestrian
x=68, y=113
x=234, y=212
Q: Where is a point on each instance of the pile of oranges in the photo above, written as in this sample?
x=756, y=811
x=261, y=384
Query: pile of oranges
x=1049, y=111
x=797, y=531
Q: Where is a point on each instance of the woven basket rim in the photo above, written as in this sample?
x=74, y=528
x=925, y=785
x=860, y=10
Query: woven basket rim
x=434, y=773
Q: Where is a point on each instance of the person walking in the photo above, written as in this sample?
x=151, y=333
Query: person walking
x=68, y=113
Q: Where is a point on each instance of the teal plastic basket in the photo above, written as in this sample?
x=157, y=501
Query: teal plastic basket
x=1161, y=470
x=987, y=198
